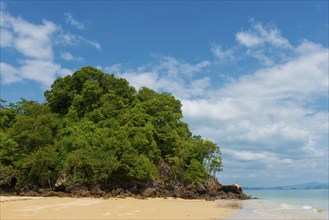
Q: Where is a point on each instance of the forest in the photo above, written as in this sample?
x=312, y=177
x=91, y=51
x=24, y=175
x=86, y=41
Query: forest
x=94, y=128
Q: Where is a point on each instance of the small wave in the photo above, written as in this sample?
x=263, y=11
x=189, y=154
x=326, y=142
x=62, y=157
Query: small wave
x=285, y=206
x=307, y=207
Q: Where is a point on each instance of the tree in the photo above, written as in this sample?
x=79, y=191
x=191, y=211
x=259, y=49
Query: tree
x=96, y=129
x=195, y=172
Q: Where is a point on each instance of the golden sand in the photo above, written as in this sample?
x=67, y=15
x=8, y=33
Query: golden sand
x=91, y=208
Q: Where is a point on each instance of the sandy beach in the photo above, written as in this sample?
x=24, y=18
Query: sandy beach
x=91, y=208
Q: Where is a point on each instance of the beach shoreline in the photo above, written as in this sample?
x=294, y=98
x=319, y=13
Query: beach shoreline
x=21, y=207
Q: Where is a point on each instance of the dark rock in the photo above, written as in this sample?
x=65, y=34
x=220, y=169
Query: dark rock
x=234, y=188
x=163, y=168
x=179, y=192
x=25, y=189
x=140, y=197
x=29, y=193
x=212, y=192
x=117, y=192
x=78, y=190
x=134, y=190
x=189, y=195
x=170, y=186
x=148, y=192
x=212, y=185
x=96, y=191
x=200, y=188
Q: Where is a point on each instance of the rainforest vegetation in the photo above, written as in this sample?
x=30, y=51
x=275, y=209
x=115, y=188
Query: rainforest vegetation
x=94, y=128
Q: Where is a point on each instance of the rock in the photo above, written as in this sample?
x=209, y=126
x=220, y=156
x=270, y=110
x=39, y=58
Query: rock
x=189, y=195
x=234, y=188
x=179, y=192
x=213, y=192
x=28, y=193
x=78, y=190
x=61, y=183
x=148, y=192
x=200, y=188
x=170, y=186
x=96, y=191
x=117, y=192
x=163, y=168
x=212, y=185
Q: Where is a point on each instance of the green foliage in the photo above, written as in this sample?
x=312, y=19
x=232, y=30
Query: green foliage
x=142, y=169
x=195, y=172
x=90, y=165
x=38, y=168
x=96, y=128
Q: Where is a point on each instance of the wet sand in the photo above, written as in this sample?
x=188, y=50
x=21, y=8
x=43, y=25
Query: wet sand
x=91, y=208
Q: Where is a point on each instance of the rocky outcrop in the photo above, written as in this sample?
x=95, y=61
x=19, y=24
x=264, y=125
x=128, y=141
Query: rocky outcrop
x=148, y=192
x=234, y=188
x=211, y=189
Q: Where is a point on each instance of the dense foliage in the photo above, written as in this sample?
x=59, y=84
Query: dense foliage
x=96, y=129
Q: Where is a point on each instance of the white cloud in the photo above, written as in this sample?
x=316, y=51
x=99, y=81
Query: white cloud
x=264, y=43
x=69, y=57
x=32, y=40
x=6, y=38
x=35, y=42
x=9, y=74
x=248, y=39
x=272, y=110
x=66, y=38
x=71, y=21
x=116, y=68
x=267, y=122
x=260, y=34
x=148, y=79
x=264, y=157
x=220, y=54
x=44, y=72
x=172, y=75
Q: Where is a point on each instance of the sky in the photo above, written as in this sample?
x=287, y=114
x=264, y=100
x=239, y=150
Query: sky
x=252, y=76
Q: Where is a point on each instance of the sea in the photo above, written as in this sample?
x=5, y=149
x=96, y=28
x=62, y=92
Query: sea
x=285, y=204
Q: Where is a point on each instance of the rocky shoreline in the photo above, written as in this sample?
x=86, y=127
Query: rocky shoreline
x=210, y=190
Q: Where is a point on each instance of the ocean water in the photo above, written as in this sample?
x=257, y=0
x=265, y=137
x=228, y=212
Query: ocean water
x=285, y=204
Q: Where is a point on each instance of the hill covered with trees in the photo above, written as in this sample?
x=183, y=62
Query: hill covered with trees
x=96, y=130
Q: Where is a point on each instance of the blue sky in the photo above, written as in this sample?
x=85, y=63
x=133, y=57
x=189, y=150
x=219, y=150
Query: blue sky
x=251, y=75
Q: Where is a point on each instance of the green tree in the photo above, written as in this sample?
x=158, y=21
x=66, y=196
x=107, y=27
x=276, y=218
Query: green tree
x=95, y=128
x=195, y=172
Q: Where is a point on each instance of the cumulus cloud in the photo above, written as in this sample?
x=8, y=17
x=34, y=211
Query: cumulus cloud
x=31, y=40
x=259, y=34
x=171, y=75
x=268, y=122
x=273, y=110
x=265, y=43
x=35, y=43
x=9, y=74
x=44, y=72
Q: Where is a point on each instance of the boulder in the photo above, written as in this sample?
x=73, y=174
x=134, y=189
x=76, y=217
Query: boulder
x=179, y=192
x=61, y=183
x=117, y=192
x=148, y=192
x=212, y=185
x=78, y=190
x=200, y=188
x=96, y=191
x=233, y=188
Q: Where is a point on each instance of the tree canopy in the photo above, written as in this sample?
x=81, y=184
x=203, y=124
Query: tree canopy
x=95, y=128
